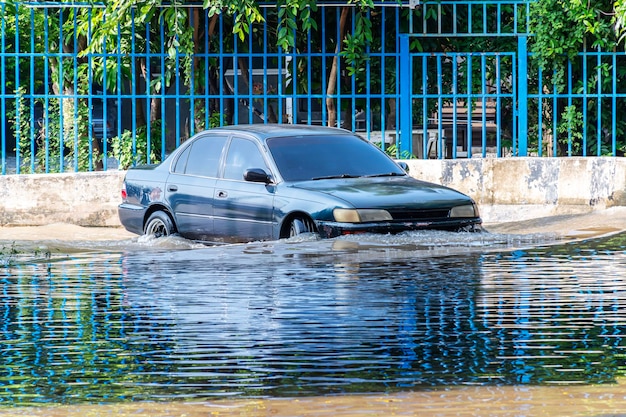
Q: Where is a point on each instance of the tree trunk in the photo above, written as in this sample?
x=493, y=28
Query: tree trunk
x=548, y=135
x=331, y=90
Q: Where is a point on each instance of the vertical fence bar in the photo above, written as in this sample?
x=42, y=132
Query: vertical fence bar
x=251, y=112
x=61, y=98
x=18, y=99
x=177, y=106
x=338, y=75
x=89, y=104
x=483, y=100
x=266, y=85
x=406, y=93
x=162, y=95
x=569, y=105
x=118, y=84
x=291, y=64
x=368, y=88
x=498, y=106
x=455, y=103
x=75, y=98
x=383, y=81
x=3, y=86
x=614, y=106
x=30, y=93
x=599, y=101
x=46, y=70
x=191, y=99
x=522, y=94
x=469, y=106
x=324, y=75
x=135, y=91
x=352, y=104
x=423, y=142
x=584, y=105
x=540, y=112
x=282, y=66
x=221, y=71
x=396, y=93
x=235, y=77
x=441, y=145
x=424, y=95
x=207, y=89
x=554, y=116
x=105, y=108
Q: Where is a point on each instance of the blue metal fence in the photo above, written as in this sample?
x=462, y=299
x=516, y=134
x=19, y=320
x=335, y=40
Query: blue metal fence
x=489, y=96
x=467, y=100
x=449, y=79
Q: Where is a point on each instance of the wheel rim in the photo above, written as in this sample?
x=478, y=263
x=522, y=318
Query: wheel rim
x=299, y=226
x=157, y=228
x=296, y=228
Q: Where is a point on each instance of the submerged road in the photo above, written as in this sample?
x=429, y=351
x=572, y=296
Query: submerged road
x=504, y=400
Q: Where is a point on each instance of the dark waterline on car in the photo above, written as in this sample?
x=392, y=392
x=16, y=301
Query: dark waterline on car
x=170, y=320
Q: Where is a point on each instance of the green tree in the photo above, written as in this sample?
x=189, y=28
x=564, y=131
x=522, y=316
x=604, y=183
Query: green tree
x=183, y=28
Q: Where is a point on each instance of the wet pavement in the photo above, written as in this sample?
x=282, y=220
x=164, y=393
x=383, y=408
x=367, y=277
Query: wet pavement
x=604, y=401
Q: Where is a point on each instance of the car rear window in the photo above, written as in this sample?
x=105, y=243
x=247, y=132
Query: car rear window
x=310, y=157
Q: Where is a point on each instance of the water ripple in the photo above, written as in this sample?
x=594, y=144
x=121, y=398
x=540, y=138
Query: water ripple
x=308, y=317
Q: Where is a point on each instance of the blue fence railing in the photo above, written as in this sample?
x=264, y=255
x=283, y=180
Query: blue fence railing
x=452, y=79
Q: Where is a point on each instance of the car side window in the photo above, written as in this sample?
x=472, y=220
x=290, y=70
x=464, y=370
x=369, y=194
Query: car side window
x=181, y=162
x=242, y=154
x=204, y=156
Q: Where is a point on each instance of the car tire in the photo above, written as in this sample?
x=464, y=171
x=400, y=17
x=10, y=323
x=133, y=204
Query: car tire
x=159, y=224
x=299, y=226
x=474, y=228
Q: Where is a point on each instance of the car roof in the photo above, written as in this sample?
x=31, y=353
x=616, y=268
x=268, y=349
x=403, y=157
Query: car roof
x=277, y=130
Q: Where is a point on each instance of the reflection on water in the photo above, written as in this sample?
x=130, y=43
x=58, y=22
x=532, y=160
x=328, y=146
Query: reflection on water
x=304, y=318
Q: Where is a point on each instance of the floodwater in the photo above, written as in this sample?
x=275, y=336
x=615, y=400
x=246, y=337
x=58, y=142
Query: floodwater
x=423, y=323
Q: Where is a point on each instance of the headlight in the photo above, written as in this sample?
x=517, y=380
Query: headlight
x=361, y=216
x=468, y=210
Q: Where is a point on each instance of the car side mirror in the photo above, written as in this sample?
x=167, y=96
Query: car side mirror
x=257, y=175
x=404, y=166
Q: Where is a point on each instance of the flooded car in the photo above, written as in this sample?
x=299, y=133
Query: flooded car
x=267, y=182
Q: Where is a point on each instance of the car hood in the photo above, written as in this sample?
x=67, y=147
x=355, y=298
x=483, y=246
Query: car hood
x=387, y=192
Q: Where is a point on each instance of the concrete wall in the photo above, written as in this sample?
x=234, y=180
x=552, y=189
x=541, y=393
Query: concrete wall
x=85, y=199
x=510, y=189
x=506, y=189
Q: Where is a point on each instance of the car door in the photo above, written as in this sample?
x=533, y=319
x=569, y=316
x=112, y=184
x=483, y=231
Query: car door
x=191, y=184
x=243, y=210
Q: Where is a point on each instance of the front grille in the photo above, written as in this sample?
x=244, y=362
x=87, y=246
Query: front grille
x=412, y=215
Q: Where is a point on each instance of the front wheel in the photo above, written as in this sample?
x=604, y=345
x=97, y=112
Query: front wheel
x=474, y=228
x=299, y=226
x=159, y=224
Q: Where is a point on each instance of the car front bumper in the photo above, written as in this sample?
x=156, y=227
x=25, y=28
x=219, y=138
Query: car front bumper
x=334, y=229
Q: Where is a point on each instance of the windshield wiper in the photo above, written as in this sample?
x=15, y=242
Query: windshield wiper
x=387, y=174
x=330, y=177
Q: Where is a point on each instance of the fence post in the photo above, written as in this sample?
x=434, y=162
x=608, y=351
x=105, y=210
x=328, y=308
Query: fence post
x=405, y=99
x=522, y=95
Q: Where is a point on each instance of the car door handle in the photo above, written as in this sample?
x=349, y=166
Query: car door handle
x=222, y=194
x=172, y=188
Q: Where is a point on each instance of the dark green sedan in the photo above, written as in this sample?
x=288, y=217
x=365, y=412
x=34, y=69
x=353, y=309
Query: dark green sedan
x=264, y=182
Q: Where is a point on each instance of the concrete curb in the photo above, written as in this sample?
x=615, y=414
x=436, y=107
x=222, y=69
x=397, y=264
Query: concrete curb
x=506, y=189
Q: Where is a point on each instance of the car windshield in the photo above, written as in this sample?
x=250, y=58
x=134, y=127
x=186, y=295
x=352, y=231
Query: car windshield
x=327, y=156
